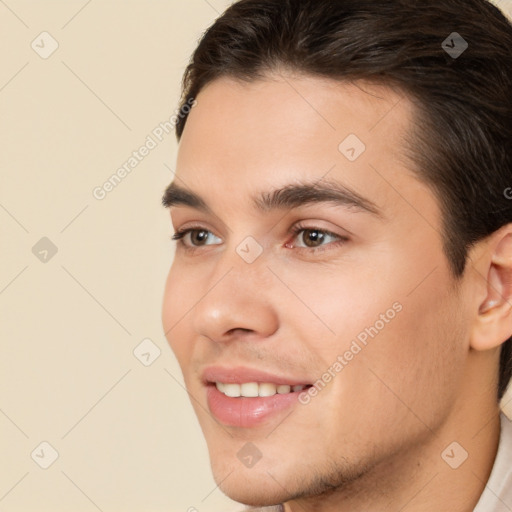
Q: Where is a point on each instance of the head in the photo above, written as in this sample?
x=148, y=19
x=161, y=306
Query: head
x=345, y=179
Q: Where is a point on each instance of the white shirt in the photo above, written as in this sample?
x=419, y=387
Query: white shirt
x=497, y=495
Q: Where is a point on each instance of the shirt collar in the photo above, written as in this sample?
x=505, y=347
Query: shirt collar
x=497, y=495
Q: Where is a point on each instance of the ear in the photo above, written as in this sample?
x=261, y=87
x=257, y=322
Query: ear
x=493, y=323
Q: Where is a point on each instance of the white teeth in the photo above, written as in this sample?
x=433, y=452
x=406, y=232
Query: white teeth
x=253, y=389
x=267, y=389
x=249, y=389
x=232, y=390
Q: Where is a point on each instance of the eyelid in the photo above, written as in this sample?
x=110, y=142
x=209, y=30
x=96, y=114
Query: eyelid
x=180, y=234
x=298, y=228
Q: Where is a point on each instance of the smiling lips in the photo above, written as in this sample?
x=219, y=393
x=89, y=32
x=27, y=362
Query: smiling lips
x=242, y=397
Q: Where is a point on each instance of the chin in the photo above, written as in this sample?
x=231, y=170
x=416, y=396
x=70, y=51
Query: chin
x=254, y=493
x=250, y=486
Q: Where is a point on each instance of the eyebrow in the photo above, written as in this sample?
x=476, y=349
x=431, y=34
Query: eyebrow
x=290, y=196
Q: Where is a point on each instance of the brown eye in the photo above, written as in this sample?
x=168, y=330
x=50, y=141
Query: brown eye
x=312, y=237
x=314, y=240
x=199, y=236
x=194, y=237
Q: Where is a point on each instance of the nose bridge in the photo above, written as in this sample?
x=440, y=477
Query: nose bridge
x=243, y=262
x=237, y=293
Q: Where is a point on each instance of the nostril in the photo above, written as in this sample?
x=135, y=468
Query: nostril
x=232, y=331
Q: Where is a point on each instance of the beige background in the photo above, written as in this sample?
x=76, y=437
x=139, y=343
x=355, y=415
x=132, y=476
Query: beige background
x=125, y=433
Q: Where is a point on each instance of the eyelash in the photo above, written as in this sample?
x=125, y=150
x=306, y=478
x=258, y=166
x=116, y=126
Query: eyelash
x=180, y=235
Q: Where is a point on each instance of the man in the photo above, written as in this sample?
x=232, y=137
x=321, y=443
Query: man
x=340, y=296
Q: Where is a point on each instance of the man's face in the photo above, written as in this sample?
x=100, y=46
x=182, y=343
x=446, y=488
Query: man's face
x=360, y=297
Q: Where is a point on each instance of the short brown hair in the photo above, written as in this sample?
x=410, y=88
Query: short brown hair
x=463, y=131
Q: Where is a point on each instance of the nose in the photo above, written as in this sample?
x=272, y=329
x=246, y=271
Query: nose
x=237, y=300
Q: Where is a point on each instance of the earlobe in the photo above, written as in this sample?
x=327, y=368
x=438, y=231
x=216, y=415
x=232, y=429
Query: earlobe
x=493, y=324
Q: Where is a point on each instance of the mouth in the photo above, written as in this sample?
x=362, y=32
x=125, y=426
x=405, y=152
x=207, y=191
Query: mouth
x=255, y=389
x=242, y=397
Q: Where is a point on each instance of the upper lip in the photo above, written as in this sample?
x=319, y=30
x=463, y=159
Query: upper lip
x=241, y=374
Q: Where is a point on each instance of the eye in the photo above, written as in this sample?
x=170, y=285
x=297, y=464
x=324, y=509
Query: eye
x=198, y=237
x=315, y=239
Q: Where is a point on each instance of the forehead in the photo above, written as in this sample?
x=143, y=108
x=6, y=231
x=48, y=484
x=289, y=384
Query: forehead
x=248, y=136
x=296, y=107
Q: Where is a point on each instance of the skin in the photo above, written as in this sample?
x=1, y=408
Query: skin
x=372, y=439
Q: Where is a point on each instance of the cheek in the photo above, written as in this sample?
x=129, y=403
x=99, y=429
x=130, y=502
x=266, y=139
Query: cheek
x=344, y=304
x=416, y=360
x=177, y=300
x=403, y=335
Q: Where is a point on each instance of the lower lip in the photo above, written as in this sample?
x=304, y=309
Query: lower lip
x=247, y=412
